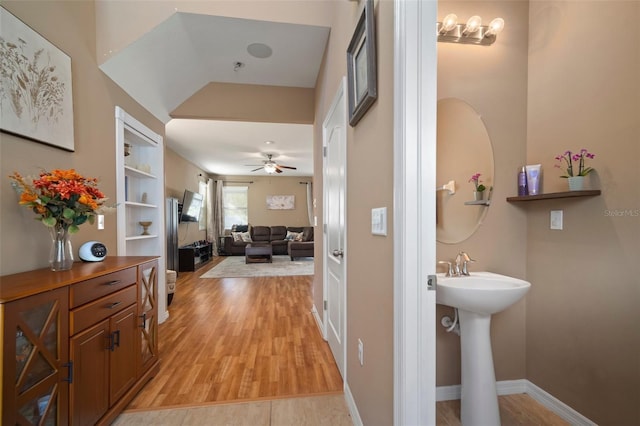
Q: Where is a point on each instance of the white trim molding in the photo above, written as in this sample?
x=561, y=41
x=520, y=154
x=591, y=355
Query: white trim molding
x=511, y=387
x=351, y=404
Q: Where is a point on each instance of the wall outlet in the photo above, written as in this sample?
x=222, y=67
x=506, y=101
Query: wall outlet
x=556, y=219
x=360, y=352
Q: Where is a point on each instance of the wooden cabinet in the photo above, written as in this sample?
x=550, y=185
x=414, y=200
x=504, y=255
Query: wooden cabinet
x=79, y=344
x=35, y=367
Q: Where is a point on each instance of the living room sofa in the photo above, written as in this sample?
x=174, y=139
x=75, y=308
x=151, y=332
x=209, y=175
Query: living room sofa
x=278, y=236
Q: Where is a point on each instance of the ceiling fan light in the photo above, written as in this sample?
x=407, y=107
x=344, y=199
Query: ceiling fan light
x=270, y=168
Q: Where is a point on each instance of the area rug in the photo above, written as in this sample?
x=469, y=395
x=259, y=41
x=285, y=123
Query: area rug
x=235, y=267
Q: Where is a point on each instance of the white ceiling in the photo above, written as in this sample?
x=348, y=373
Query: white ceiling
x=177, y=58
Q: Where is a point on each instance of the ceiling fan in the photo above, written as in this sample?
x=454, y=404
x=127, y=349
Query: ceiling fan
x=271, y=166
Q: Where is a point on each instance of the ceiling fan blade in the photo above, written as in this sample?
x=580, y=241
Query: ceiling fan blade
x=259, y=168
x=278, y=170
x=287, y=167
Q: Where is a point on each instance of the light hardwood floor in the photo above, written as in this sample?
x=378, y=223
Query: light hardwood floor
x=238, y=339
x=234, y=349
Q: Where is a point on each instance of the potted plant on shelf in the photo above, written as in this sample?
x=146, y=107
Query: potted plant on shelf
x=478, y=194
x=573, y=176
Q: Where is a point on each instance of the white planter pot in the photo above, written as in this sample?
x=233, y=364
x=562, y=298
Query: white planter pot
x=576, y=183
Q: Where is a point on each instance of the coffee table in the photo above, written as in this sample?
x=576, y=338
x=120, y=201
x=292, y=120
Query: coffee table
x=258, y=253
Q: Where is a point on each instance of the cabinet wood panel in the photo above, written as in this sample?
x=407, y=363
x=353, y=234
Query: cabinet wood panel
x=122, y=372
x=92, y=289
x=102, y=308
x=90, y=388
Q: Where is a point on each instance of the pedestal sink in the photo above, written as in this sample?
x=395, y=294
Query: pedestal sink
x=477, y=297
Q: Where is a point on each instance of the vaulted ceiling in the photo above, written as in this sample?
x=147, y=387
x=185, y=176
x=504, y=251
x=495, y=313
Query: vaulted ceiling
x=180, y=56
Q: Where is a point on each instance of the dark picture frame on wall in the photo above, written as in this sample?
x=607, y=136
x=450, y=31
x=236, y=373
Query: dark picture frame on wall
x=361, y=66
x=36, y=100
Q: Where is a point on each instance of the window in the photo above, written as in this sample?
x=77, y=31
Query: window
x=234, y=206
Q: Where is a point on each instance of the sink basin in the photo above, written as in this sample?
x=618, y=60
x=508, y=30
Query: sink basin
x=477, y=297
x=481, y=292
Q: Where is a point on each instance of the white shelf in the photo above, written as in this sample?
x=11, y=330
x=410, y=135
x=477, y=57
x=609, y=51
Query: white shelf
x=478, y=203
x=132, y=171
x=134, y=204
x=141, y=237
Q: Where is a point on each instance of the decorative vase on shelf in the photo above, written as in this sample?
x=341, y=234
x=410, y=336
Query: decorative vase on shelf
x=61, y=254
x=576, y=183
x=478, y=195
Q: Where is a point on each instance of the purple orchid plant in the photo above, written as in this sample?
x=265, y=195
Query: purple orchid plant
x=475, y=179
x=567, y=160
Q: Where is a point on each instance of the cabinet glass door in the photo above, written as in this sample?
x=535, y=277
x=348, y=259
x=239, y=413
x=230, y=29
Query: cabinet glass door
x=148, y=311
x=39, y=326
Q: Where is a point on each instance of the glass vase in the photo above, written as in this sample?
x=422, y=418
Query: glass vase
x=61, y=254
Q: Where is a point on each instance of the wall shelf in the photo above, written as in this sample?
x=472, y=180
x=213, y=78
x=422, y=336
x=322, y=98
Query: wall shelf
x=555, y=195
x=478, y=203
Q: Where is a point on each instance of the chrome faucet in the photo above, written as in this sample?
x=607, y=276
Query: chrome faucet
x=450, y=272
x=462, y=260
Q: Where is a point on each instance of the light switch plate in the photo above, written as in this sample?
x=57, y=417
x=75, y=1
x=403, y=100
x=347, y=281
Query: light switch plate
x=379, y=221
x=556, y=219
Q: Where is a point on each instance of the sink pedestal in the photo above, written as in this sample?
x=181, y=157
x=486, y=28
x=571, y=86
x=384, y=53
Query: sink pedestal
x=479, y=404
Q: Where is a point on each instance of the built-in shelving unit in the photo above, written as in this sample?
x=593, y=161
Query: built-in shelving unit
x=555, y=195
x=140, y=194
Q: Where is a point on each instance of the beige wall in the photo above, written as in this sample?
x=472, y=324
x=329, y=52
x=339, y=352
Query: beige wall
x=369, y=185
x=264, y=186
x=180, y=174
x=249, y=102
x=70, y=25
x=583, y=316
x=493, y=80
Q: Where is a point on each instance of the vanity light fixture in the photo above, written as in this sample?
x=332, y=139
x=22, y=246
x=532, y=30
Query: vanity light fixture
x=473, y=32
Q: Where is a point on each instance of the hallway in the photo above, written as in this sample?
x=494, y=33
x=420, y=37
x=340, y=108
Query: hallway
x=239, y=339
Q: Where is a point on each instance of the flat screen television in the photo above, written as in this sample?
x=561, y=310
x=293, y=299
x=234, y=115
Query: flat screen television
x=191, y=206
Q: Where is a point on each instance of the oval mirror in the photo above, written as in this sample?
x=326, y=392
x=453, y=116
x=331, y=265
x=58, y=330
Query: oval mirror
x=464, y=149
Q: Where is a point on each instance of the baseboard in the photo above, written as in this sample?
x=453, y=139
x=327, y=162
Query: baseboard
x=163, y=317
x=351, y=404
x=511, y=387
x=316, y=315
x=560, y=408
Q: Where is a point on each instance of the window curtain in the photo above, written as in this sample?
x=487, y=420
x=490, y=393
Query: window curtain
x=310, y=202
x=214, y=213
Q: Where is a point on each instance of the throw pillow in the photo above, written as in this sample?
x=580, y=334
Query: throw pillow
x=236, y=236
x=293, y=236
x=241, y=236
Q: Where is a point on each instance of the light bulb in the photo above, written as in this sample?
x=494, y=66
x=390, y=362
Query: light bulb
x=495, y=27
x=269, y=168
x=473, y=24
x=448, y=23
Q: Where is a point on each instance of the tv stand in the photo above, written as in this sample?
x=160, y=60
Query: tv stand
x=193, y=256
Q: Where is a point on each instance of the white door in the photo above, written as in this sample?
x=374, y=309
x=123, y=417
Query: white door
x=334, y=136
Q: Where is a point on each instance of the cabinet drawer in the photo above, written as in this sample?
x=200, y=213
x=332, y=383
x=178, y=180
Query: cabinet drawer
x=96, y=311
x=95, y=288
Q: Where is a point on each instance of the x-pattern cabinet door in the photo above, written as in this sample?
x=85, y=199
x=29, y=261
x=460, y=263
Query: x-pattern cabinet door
x=148, y=315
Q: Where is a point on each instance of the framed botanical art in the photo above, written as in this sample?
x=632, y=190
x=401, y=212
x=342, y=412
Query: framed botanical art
x=361, y=66
x=36, y=101
x=281, y=202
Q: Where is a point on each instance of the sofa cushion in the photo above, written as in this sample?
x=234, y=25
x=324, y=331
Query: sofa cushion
x=307, y=234
x=261, y=234
x=278, y=233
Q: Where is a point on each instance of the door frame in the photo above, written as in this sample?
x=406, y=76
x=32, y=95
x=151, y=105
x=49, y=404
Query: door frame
x=415, y=97
x=340, y=92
